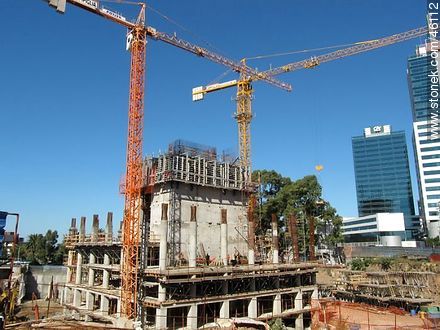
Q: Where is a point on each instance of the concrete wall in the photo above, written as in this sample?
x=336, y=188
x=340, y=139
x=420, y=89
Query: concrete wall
x=209, y=202
x=37, y=280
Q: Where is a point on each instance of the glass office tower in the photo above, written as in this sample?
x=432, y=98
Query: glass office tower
x=426, y=135
x=383, y=181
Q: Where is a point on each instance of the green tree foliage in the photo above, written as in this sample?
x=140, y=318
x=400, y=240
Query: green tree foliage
x=433, y=242
x=360, y=264
x=42, y=249
x=277, y=324
x=281, y=196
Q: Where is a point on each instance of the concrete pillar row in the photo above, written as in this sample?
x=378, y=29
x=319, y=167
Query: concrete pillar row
x=192, y=244
x=163, y=229
x=224, y=237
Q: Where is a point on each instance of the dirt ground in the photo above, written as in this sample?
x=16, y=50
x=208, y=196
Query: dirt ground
x=358, y=316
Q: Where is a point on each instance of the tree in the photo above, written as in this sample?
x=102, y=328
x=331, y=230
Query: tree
x=282, y=196
x=42, y=250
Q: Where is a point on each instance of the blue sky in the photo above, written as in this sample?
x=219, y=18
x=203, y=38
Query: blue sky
x=64, y=92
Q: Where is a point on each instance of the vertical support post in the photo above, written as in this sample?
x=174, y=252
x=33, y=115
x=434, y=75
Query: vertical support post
x=79, y=260
x=163, y=238
x=294, y=236
x=299, y=323
x=104, y=304
x=252, y=308
x=191, y=320
x=192, y=246
x=311, y=238
x=276, y=310
x=275, y=244
x=95, y=228
x=109, y=228
x=251, y=230
x=82, y=229
x=224, y=237
x=92, y=260
x=106, y=272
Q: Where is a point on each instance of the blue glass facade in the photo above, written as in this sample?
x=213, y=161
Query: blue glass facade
x=418, y=83
x=383, y=181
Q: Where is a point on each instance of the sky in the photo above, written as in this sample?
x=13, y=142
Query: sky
x=64, y=96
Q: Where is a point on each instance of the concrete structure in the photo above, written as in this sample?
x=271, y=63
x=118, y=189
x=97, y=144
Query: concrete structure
x=386, y=229
x=423, y=89
x=92, y=288
x=383, y=180
x=198, y=253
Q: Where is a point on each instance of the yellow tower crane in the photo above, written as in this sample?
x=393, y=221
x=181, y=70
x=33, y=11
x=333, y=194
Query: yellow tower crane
x=243, y=114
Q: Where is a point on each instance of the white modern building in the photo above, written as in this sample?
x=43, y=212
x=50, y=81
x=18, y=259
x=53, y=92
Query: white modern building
x=387, y=229
x=424, y=89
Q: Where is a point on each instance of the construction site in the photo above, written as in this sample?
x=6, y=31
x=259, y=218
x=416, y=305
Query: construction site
x=190, y=253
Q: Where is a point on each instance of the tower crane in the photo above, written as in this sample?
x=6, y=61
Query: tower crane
x=243, y=114
x=136, y=43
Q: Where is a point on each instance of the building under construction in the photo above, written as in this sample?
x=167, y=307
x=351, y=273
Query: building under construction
x=198, y=260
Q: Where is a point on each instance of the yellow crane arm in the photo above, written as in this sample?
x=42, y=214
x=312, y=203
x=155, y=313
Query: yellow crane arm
x=360, y=47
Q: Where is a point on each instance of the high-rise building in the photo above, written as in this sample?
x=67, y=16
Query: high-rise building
x=383, y=180
x=423, y=89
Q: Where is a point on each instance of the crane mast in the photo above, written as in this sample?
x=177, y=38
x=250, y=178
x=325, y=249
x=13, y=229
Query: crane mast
x=133, y=184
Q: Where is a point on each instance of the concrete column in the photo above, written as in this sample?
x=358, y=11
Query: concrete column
x=69, y=269
x=299, y=323
x=82, y=229
x=277, y=304
x=163, y=230
x=224, y=310
x=191, y=319
x=275, y=245
x=251, y=231
x=106, y=273
x=192, y=244
x=95, y=228
x=79, y=260
x=92, y=260
x=76, y=298
x=104, y=304
x=90, y=301
x=224, y=237
x=72, y=230
x=161, y=318
x=161, y=313
x=252, y=308
x=118, y=307
x=109, y=228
